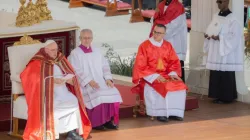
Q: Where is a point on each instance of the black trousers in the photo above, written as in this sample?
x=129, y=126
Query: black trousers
x=222, y=85
x=186, y=3
x=182, y=71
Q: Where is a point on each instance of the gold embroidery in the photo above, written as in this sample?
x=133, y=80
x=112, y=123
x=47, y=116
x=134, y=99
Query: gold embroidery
x=160, y=65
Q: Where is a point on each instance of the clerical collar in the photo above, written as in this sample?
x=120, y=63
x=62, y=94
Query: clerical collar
x=224, y=13
x=155, y=43
x=85, y=49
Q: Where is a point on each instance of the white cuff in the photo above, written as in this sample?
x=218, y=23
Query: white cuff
x=108, y=77
x=86, y=81
x=152, y=19
x=173, y=73
x=151, y=78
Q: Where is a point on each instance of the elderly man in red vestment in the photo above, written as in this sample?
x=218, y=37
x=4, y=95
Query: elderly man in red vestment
x=171, y=13
x=64, y=107
x=157, y=72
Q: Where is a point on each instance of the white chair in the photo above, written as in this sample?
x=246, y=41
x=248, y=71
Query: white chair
x=201, y=68
x=19, y=56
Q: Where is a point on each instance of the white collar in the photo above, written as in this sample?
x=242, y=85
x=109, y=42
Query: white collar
x=155, y=43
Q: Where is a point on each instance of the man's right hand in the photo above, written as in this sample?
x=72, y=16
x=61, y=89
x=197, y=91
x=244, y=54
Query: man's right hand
x=206, y=36
x=59, y=81
x=93, y=84
x=161, y=79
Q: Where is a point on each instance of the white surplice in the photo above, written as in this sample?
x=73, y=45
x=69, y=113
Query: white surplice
x=172, y=105
x=227, y=53
x=94, y=66
x=176, y=34
x=66, y=109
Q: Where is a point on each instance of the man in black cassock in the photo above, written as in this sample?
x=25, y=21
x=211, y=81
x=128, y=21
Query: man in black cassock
x=224, y=45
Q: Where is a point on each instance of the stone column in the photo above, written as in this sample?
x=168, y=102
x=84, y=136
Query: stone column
x=242, y=78
x=202, y=13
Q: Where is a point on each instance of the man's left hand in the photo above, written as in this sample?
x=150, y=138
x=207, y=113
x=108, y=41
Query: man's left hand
x=215, y=37
x=109, y=83
x=207, y=37
x=175, y=78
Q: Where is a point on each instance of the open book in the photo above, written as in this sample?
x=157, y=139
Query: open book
x=216, y=25
x=65, y=78
x=214, y=28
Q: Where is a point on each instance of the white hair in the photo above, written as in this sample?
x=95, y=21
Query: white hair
x=86, y=30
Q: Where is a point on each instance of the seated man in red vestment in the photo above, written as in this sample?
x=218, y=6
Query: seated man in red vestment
x=56, y=105
x=157, y=72
x=171, y=13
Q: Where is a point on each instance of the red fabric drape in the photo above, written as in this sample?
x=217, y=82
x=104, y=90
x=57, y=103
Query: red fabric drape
x=175, y=9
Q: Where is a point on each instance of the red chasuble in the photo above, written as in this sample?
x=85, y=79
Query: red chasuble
x=41, y=66
x=151, y=59
x=175, y=9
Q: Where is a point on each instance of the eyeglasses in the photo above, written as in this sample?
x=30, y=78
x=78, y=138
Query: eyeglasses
x=219, y=1
x=86, y=38
x=158, y=33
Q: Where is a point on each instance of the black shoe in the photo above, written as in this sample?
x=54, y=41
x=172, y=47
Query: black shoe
x=218, y=101
x=176, y=118
x=99, y=127
x=74, y=136
x=162, y=119
x=110, y=125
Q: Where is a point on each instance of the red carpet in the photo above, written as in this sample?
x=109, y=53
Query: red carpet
x=126, y=109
